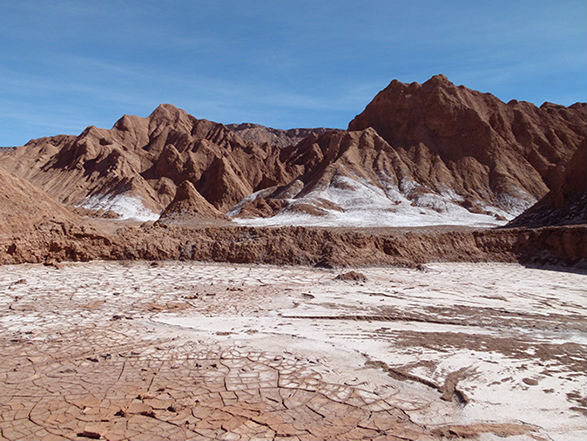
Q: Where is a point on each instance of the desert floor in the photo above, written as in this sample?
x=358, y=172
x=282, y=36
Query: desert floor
x=183, y=350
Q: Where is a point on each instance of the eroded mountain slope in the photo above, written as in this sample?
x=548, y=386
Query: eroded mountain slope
x=566, y=203
x=24, y=206
x=417, y=155
x=484, y=150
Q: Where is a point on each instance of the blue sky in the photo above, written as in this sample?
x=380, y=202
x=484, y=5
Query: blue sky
x=69, y=64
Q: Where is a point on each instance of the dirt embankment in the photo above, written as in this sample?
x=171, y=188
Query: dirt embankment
x=55, y=242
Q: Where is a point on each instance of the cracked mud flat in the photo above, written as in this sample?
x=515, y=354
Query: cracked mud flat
x=212, y=351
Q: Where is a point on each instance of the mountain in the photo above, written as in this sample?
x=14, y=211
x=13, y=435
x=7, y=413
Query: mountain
x=426, y=154
x=419, y=154
x=471, y=143
x=135, y=167
x=258, y=134
x=566, y=203
x=23, y=207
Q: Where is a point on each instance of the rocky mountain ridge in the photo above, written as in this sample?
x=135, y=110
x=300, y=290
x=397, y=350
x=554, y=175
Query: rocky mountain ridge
x=424, y=154
x=475, y=144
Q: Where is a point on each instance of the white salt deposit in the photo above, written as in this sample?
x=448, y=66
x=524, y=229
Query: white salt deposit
x=519, y=332
x=126, y=206
x=365, y=205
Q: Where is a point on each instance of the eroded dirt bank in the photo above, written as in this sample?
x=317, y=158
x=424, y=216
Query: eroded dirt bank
x=297, y=245
x=185, y=350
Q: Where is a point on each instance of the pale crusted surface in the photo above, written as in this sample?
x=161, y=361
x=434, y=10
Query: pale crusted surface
x=209, y=351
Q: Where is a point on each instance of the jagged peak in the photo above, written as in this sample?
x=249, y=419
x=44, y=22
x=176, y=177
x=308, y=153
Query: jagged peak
x=88, y=130
x=439, y=79
x=126, y=121
x=93, y=131
x=550, y=104
x=167, y=111
x=186, y=191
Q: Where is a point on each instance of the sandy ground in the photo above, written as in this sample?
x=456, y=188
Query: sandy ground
x=178, y=350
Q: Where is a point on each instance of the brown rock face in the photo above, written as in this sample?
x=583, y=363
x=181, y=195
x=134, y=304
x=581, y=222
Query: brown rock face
x=566, y=203
x=24, y=206
x=145, y=159
x=257, y=134
x=473, y=143
x=188, y=204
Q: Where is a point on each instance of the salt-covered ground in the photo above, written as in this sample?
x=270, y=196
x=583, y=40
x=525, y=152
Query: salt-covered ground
x=213, y=351
x=361, y=204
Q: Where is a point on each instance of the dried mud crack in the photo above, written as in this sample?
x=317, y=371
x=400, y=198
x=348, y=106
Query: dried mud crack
x=181, y=350
x=448, y=390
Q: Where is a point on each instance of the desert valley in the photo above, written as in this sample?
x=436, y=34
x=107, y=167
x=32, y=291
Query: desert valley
x=417, y=276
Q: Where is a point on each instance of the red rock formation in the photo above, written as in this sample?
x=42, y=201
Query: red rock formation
x=189, y=205
x=566, y=203
x=415, y=149
x=24, y=206
x=472, y=142
x=145, y=159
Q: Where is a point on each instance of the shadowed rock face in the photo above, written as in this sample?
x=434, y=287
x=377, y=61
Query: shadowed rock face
x=189, y=204
x=566, y=203
x=435, y=150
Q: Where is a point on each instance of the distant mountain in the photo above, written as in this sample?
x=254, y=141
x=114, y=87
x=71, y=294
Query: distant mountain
x=257, y=134
x=434, y=153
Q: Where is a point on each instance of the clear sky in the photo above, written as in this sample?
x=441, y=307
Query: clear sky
x=281, y=63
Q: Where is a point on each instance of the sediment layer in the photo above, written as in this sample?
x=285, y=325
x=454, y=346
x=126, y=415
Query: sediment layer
x=54, y=242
